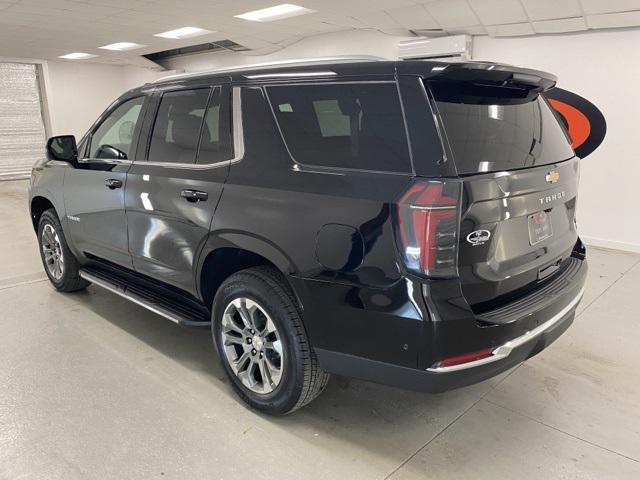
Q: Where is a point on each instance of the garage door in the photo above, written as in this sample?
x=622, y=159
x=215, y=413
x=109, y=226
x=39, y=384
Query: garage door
x=22, y=136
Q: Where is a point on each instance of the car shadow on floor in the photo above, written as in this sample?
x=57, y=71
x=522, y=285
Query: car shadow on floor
x=383, y=419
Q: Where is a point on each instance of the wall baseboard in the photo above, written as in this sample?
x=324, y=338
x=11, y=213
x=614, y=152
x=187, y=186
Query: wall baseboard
x=612, y=244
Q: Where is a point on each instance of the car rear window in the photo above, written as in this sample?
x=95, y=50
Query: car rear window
x=496, y=128
x=349, y=125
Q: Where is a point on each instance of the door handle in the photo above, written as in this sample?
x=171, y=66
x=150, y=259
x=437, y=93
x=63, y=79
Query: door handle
x=194, y=195
x=113, y=183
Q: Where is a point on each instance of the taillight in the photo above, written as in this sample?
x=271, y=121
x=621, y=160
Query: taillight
x=465, y=358
x=428, y=227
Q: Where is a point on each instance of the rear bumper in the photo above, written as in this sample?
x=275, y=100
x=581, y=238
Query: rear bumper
x=512, y=343
x=434, y=380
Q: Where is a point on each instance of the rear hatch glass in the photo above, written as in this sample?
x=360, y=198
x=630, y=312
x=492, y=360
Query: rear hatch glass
x=519, y=186
x=492, y=129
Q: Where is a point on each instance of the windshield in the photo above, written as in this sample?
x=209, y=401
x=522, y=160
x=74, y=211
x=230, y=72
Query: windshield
x=491, y=128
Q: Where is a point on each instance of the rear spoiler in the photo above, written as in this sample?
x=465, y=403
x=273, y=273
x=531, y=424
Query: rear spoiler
x=486, y=73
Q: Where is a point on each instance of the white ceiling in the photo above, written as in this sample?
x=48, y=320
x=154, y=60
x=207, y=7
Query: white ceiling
x=49, y=28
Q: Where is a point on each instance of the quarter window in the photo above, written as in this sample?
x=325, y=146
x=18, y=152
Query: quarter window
x=113, y=138
x=357, y=125
x=177, y=126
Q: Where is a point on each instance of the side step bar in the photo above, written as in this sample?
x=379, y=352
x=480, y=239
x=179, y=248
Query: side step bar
x=140, y=298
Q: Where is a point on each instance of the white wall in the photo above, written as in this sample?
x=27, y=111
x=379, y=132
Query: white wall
x=77, y=93
x=603, y=67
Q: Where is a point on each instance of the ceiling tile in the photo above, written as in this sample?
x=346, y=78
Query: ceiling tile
x=614, y=20
x=413, y=17
x=560, y=26
x=552, y=9
x=607, y=6
x=452, y=13
x=472, y=30
x=496, y=12
x=378, y=20
x=512, y=30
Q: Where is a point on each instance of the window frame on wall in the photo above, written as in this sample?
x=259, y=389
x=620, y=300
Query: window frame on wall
x=299, y=164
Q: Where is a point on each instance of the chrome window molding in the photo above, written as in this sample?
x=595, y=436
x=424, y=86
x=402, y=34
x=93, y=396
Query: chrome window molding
x=238, y=141
x=108, y=161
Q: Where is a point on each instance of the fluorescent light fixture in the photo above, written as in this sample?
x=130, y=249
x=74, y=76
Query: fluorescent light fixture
x=284, y=10
x=184, y=32
x=122, y=46
x=77, y=56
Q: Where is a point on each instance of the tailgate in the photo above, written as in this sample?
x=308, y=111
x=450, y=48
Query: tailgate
x=517, y=230
x=519, y=182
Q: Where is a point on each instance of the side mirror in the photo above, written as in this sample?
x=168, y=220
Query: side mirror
x=62, y=148
x=110, y=152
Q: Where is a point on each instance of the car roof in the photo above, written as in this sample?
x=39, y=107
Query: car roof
x=327, y=68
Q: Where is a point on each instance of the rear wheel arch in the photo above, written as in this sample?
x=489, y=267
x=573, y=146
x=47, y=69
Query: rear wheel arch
x=220, y=263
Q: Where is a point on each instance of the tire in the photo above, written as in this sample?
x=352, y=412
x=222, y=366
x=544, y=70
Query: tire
x=53, y=245
x=266, y=297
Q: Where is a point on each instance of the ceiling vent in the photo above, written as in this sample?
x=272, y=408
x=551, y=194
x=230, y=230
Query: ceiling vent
x=455, y=47
x=193, y=49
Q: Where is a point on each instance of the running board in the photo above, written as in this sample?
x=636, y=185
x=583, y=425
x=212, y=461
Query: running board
x=143, y=298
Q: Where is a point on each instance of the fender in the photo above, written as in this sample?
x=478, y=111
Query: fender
x=246, y=241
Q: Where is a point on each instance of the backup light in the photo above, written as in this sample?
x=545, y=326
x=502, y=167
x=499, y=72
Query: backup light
x=277, y=12
x=77, y=56
x=184, y=32
x=122, y=46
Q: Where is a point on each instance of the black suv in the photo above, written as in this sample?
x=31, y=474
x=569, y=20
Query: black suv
x=410, y=223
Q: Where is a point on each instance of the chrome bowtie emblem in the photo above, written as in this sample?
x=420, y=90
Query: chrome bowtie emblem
x=478, y=237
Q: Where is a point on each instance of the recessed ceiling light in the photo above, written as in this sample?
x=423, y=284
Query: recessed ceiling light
x=122, y=46
x=78, y=56
x=184, y=32
x=277, y=12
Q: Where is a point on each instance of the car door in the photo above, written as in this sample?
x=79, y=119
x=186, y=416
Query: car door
x=94, y=188
x=172, y=195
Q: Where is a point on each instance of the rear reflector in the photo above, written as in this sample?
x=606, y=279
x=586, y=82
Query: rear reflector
x=428, y=227
x=465, y=358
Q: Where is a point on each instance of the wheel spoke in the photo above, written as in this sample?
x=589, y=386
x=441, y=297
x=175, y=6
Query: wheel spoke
x=245, y=316
x=230, y=325
x=267, y=382
x=238, y=364
x=233, y=340
x=275, y=373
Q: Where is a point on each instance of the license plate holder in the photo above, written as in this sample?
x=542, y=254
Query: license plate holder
x=539, y=227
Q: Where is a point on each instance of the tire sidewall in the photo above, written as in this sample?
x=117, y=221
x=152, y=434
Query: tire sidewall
x=286, y=394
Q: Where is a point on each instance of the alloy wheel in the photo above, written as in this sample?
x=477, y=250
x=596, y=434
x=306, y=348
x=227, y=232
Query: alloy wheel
x=252, y=345
x=52, y=250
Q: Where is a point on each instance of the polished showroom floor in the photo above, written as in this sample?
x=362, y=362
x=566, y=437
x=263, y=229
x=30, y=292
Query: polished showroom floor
x=94, y=387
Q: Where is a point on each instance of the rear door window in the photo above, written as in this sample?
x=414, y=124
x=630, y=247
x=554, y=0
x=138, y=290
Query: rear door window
x=493, y=129
x=349, y=125
x=177, y=127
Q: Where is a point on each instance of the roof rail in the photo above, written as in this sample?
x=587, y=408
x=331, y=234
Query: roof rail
x=280, y=63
